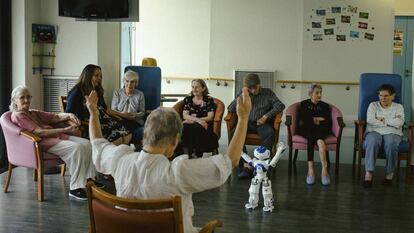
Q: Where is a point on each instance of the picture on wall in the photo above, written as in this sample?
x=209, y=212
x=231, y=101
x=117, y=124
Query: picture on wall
x=352, y=9
x=330, y=21
x=336, y=10
x=398, y=43
x=316, y=25
x=329, y=31
x=354, y=34
x=345, y=19
x=317, y=36
x=321, y=12
x=362, y=25
x=369, y=36
x=340, y=38
x=363, y=15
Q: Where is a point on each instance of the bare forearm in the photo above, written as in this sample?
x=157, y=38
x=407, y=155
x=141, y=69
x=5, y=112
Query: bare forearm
x=94, y=125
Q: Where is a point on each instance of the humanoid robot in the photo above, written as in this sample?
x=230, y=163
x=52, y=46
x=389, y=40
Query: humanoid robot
x=261, y=163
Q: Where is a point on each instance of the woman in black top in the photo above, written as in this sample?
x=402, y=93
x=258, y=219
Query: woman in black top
x=198, y=113
x=315, y=125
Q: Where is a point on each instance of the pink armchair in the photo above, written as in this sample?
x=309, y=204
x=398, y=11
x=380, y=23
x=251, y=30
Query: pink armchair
x=23, y=150
x=297, y=142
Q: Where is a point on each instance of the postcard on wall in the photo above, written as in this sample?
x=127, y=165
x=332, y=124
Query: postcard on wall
x=345, y=19
x=329, y=31
x=352, y=9
x=330, y=21
x=398, y=43
x=321, y=12
x=362, y=25
x=317, y=36
x=369, y=36
x=363, y=15
x=354, y=34
x=316, y=25
x=336, y=10
x=340, y=37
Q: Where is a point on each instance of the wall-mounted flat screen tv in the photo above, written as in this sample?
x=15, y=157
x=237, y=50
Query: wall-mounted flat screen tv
x=94, y=9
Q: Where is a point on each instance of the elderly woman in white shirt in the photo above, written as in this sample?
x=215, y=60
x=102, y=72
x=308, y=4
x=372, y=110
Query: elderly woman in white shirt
x=384, y=127
x=129, y=103
x=150, y=174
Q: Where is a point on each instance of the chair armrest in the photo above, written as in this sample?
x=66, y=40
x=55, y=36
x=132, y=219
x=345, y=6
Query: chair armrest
x=210, y=226
x=31, y=136
x=288, y=121
x=339, y=125
x=359, y=123
x=231, y=121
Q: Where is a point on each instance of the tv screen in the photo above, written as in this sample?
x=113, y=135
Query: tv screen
x=101, y=9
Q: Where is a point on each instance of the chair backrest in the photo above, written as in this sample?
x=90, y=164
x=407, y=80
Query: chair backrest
x=293, y=112
x=62, y=102
x=20, y=151
x=149, y=84
x=368, y=90
x=109, y=213
x=218, y=114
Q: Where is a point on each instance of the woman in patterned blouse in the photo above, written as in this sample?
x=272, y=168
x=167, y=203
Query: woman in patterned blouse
x=198, y=113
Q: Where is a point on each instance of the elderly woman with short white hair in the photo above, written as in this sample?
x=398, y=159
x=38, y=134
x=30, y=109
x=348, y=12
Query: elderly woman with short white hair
x=56, y=130
x=129, y=103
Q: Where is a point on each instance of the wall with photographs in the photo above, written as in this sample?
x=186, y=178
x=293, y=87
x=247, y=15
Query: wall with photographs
x=343, y=39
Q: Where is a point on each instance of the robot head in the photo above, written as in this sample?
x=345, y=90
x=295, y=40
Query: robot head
x=261, y=153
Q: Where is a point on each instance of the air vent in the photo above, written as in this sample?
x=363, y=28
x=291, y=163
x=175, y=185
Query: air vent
x=53, y=87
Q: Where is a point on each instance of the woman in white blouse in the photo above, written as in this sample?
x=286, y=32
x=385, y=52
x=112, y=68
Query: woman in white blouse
x=384, y=129
x=150, y=174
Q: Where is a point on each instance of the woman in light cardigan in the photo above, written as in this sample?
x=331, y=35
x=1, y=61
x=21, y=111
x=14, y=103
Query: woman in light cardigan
x=384, y=127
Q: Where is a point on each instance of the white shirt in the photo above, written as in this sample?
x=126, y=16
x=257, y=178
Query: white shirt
x=393, y=115
x=152, y=176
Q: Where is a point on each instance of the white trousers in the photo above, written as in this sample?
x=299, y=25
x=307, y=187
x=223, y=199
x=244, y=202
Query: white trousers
x=77, y=154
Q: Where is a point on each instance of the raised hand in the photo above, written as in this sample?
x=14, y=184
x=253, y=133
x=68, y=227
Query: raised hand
x=244, y=104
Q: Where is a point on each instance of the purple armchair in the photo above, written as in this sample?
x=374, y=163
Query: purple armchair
x=23, y=150
x=297, y=142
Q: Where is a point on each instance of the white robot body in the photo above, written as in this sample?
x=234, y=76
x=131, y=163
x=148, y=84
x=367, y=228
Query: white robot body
x=261, y=163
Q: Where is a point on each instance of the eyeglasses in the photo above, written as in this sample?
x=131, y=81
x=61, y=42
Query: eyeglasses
x=29, y=97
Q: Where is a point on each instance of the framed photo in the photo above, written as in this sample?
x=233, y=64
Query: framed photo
x=354, y=34
x=321, y=12
x=336, y=10
x=329, y=31
x=340, y=38
x=317, y=37
x=352, y=9
x=316, y=25
x=330, y=21
x=369, y=36
x=43, y=33
x=362, y=25
x=363, y=15
x=345, y=19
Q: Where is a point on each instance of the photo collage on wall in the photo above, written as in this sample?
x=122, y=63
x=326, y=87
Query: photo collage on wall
x=340, y=23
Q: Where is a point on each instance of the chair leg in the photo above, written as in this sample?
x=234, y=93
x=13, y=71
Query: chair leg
x=328, y=161
x=40, y=195
x=290, y=161
x=359, y=167
x=337, y=166
x=35, y=175
x=9, y=174
x=398, y=168
x=295, y=157
x=63, y=169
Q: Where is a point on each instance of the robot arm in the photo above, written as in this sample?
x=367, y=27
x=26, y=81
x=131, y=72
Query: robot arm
x=280, y=149
x=247, y=158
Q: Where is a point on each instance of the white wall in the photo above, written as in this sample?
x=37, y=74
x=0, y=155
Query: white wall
x=404, y=7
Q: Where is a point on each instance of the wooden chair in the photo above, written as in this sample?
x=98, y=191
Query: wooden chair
x=297, y=142
x=218, y=116
x=23, y=150
x=109, y=213
x=252, y=138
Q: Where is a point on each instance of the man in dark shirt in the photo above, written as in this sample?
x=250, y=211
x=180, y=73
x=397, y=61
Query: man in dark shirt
x=265, y=106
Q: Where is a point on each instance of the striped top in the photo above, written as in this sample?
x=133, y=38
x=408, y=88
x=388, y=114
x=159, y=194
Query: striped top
x=265, y=103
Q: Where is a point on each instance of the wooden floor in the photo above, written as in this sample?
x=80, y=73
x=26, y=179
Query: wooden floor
x=344, y=207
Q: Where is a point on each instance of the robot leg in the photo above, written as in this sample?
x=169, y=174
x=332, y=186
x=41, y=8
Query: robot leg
x=267, y=195
x=253, y=194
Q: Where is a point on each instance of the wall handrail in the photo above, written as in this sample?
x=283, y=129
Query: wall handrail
x=316, y=81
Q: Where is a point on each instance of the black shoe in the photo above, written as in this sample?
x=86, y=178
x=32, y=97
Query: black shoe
x=387, y=182
x=367, y=183
x=78, y=194
x=245, y=174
